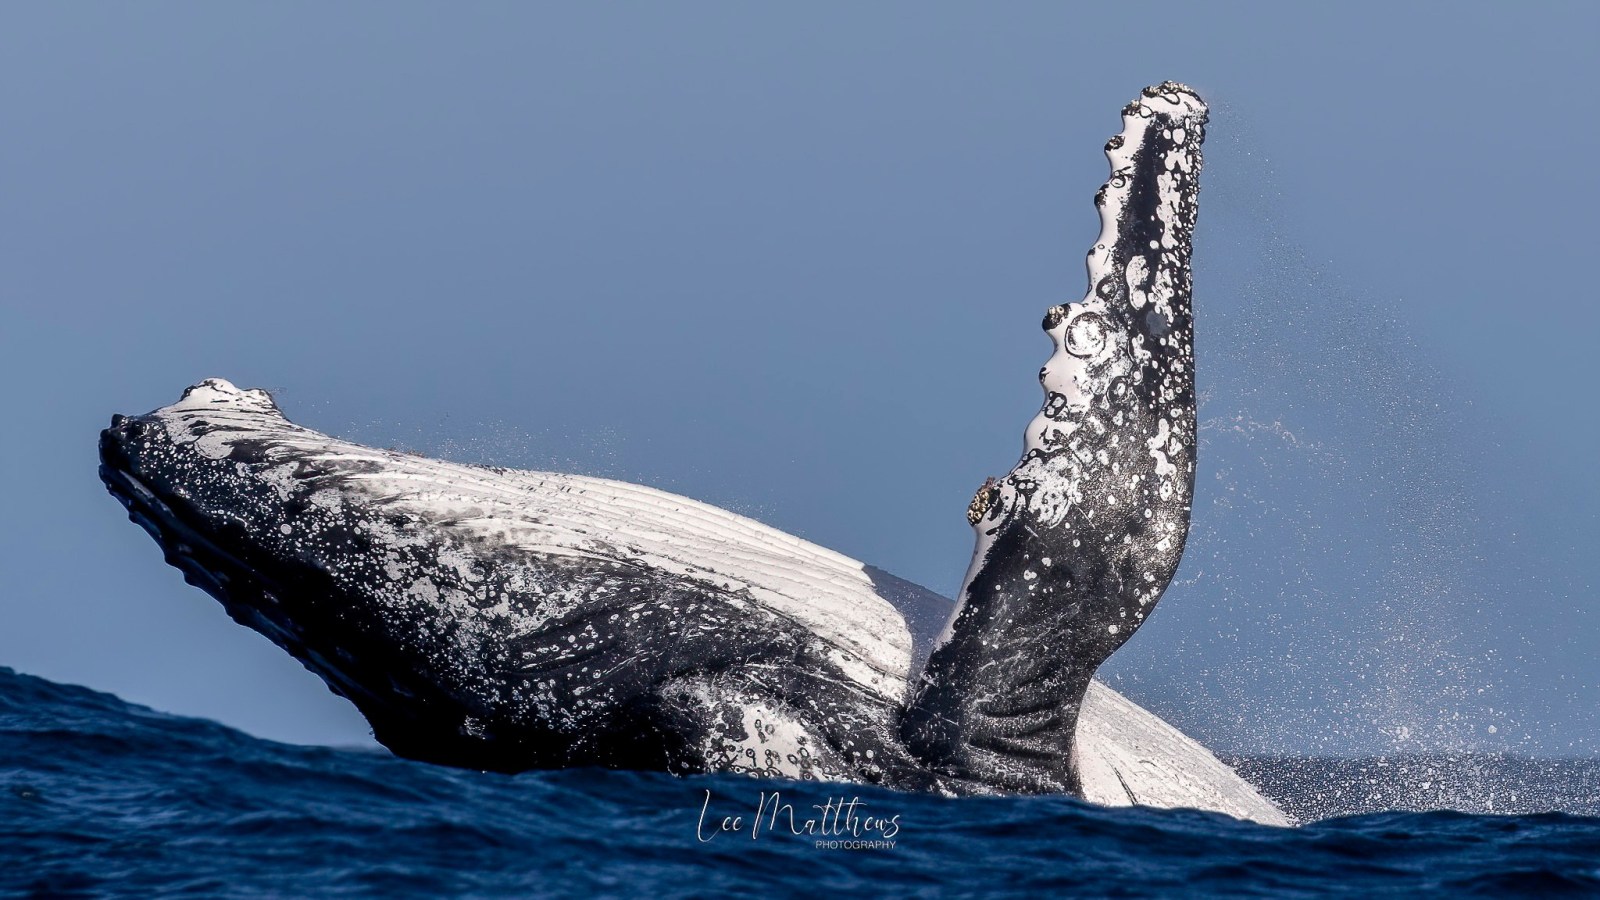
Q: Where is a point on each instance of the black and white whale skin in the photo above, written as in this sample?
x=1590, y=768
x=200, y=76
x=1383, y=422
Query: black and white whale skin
x=510, y=620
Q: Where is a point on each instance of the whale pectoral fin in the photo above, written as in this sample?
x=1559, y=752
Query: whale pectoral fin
x=1076, y=544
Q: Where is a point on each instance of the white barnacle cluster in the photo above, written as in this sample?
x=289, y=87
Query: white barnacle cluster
x=750, y=734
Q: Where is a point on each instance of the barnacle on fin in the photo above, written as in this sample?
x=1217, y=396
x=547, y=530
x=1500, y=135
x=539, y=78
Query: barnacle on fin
x=1054, y=316
x=983, y=500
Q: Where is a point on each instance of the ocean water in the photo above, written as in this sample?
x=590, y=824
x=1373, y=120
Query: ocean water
x=99, y=797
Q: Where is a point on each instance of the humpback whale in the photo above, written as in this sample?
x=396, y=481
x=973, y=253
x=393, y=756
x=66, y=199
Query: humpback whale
x=511, y=620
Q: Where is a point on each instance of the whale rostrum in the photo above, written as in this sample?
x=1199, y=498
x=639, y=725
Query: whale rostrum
x=511, y=620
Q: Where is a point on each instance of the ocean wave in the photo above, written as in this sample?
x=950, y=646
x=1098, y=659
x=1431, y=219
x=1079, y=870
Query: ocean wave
x=105, y=798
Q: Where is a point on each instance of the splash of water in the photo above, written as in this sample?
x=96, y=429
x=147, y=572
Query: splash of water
x=1332, y=592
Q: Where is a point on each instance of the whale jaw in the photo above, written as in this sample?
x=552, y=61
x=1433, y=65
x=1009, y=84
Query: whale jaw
x=410, y=716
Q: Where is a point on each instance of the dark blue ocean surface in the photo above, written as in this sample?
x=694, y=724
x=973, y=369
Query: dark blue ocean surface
x=99, y=797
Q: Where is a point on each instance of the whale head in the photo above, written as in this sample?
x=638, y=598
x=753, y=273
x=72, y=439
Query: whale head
x=215, y=479
x=177, y=471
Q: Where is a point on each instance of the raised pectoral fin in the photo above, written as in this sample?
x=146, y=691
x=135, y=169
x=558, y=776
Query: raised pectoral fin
x=1076, y=544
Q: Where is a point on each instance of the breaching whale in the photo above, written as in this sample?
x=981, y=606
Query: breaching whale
x=511, y=620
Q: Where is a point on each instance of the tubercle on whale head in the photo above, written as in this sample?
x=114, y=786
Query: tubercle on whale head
x=157, y=445
x=1077, y=543
x=215, y=391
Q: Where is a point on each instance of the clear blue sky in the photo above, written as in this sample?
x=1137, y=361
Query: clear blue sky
x=792, y=262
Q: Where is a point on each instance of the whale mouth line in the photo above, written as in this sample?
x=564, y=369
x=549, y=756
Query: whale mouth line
x=186, y=546
x=204, y=564
x=244, y=591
